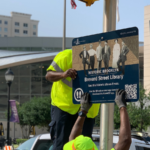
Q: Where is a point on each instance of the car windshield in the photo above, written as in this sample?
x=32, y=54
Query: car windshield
x=27, y=145
x=43, y=145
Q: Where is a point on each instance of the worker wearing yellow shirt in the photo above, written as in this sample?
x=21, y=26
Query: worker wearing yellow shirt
x=63, y=112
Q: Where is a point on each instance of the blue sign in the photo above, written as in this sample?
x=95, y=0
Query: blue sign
x=106, y=62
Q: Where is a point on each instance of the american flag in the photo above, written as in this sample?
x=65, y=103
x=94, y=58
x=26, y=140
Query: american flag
x=73, y=4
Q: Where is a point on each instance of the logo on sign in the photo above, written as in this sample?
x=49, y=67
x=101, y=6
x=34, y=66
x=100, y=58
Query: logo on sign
x=78, y=42
x=77, y=94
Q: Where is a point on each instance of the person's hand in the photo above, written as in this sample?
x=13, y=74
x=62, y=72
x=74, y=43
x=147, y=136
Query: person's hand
x=70, y=73
x=120, y=98
x=85, y=104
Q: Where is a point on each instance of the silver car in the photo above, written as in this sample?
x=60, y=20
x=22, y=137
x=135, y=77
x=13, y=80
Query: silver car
x=43, y=142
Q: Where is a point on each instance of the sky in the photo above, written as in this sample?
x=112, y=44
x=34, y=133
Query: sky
x=79, y=22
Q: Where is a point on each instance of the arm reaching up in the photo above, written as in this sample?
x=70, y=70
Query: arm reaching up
x=78, y=126
x=125, y=130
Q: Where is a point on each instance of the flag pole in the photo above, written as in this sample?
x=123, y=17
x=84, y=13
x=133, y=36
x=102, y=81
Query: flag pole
x=107, y=110
x=64, y=28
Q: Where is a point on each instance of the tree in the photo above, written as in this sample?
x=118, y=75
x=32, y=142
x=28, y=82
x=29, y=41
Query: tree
x=139, y=112
x=116, y=117
x=97, y=120
x=21, y=121
x=36, y=112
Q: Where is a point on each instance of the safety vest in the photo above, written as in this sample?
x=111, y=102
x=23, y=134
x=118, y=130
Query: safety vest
x=61, y=93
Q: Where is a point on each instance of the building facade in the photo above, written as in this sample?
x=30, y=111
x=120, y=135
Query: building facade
x=28, y=57
x=147, y=48
x=18, y=25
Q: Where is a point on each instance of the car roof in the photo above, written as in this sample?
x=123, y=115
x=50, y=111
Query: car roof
x=137, y=139
x=115, y=138
x=45, y=136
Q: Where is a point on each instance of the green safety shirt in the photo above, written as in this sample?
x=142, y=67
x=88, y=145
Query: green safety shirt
x=61, y=93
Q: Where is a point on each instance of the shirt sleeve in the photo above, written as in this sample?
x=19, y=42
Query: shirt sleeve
x=51, y=67
x=59, y=63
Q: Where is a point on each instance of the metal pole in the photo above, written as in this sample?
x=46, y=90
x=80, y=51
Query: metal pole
x=107, y=110
x=64, y=28
x=8, y=115
x=14, y=131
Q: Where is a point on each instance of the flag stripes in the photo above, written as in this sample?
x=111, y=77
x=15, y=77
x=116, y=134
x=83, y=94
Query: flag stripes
x=73, y=4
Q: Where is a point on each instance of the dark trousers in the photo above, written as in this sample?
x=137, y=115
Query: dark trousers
x=61, y=126
x=92, y=62
x=123, y=65
x=99, y=65
x=84, y=61
x=106, y=61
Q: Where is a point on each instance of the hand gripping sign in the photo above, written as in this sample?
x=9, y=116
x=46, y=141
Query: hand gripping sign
x=106, y=62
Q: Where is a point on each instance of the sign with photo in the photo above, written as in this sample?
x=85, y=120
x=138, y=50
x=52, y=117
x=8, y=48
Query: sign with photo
x=106, y=62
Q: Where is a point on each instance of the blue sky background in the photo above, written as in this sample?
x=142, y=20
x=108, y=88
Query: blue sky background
x=80, y=22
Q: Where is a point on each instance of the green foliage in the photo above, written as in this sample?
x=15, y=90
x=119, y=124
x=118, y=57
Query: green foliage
x=20, y=114
x=116, y=118
x=97, y=120
x=20, y=141
x=139, y=112
x=36, y=112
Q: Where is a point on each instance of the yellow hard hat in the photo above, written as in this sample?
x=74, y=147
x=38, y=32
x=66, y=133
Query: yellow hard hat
x=80, y=143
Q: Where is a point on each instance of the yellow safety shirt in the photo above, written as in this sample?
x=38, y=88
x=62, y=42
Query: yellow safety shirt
x=61, y=93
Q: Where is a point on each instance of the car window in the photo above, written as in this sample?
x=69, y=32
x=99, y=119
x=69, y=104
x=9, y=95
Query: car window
x=114, y=144
x=141, y=148
x=97, y=144
x=27, y=145
x=43, y=145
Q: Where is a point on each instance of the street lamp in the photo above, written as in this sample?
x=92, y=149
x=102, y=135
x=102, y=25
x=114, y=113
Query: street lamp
x=9, y=76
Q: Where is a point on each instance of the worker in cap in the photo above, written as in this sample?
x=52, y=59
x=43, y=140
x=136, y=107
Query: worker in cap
x=80, y=142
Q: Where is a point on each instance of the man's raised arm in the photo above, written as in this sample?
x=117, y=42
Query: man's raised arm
x=78, y=126
x=125, y=130
x=54, y=76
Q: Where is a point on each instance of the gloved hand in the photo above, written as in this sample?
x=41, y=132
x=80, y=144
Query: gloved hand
x=120, y=98
x=85, y=105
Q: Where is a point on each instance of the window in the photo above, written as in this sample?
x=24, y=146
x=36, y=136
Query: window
x=16, y=30
x=34, y=26
x=6, y=22
x=0, y=29
x=5, y=35
x=0, y=21
x=28, y=144
x=16, y=23
x=5, y=29
x=25, y=32
x=25, y=85
x=141, y=148
x=36, y=85
x=34, y=33
x=43, y=144
x=25, y=25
